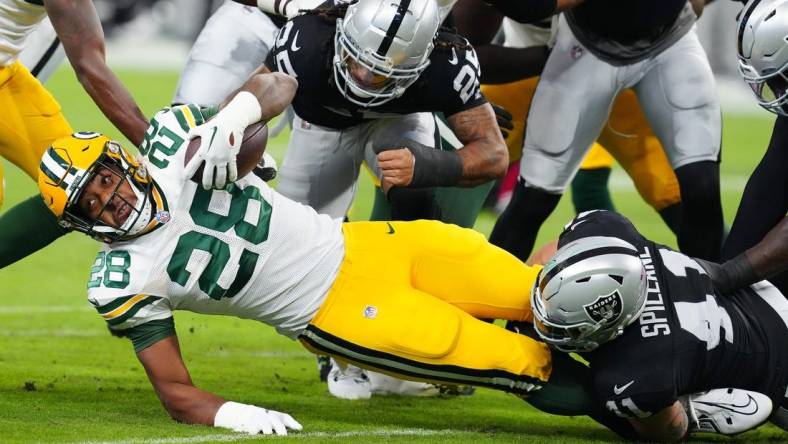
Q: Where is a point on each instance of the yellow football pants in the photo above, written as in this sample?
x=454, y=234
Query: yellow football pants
x=406, y=302
x=30, y=119
x=627, y=136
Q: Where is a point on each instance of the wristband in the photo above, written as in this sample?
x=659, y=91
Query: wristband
x=228, y=414
x=433, y=167
x=736, y=273
x=243, y=110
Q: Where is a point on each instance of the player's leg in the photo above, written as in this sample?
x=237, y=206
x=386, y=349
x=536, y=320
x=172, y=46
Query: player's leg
x=765, y=199
x=232, y=44
x=678, y=97
x=321, y=166
x=589, y=187
x=30, y=119
x=629, y=138
x=43, y=52
x=374, y=317
x=569, y=109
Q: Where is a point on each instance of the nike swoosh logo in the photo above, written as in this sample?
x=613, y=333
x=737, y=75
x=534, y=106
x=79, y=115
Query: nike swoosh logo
x=619, y=390
x=391, y=229
x=453, y=59
x=750, y=408
x=293, y=46
x=213, y=134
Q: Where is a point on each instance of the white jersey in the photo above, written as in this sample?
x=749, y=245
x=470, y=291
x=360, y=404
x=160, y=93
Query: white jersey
x=18, y=18
x=246, y=251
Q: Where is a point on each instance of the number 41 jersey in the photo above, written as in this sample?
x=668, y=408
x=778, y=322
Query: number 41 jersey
x=687, y=339
x=245, y=251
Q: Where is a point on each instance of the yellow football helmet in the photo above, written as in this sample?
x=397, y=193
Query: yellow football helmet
x=69, y=165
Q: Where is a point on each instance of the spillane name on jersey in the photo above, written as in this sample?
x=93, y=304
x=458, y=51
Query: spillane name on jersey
x=304, y=49
x=246, y=251
x=18, y=18
x=688, y=339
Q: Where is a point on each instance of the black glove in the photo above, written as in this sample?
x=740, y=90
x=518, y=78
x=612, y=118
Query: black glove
x=504, y=119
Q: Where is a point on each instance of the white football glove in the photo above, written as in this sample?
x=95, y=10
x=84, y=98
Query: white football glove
x=251, y=419
x=220, y=141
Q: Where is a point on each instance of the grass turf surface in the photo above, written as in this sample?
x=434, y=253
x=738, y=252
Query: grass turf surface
x=63, y=378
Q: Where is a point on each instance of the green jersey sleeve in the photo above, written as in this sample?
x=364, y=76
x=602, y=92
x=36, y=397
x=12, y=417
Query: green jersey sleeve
x=147, y=334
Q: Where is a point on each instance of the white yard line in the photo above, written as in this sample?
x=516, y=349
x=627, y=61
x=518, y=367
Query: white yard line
x=242, y=437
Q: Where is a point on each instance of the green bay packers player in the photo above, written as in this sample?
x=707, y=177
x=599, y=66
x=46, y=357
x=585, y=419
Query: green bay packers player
x=30, y=118
x=398, y=297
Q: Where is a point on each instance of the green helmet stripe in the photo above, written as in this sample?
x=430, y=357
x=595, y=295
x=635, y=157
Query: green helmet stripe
x=181, y=119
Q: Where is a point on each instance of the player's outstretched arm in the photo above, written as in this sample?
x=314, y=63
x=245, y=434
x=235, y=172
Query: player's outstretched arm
x=766, y=259
x=484, y=154
x=186, y=403
x=261, y=97
x=79, y=29
x=668, y=425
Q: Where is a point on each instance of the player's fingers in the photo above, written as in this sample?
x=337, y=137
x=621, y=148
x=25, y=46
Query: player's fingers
x=207, y=176
x=220, y=180
x=277, y=424
x=290, y=422
x=232, y=171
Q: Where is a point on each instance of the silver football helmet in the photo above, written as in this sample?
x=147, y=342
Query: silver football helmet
x=382, y=46
x=763, y=52
x=588, y=292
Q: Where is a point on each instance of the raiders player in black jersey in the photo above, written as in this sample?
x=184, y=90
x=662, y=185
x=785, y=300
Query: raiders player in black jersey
x=653, y=327
x=603, y=47
x=369, y=80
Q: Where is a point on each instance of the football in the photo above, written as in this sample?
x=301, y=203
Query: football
x=252, y=149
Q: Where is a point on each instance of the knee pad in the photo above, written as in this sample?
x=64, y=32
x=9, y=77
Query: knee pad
x=433, y=327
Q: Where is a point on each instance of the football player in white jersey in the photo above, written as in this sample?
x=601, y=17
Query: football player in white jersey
x=401, y=297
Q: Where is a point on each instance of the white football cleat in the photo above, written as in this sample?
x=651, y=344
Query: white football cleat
x=348, y=382
x=727, y=411
x=389, y=385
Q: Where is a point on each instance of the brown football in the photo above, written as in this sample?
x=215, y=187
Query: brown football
x=252, y=149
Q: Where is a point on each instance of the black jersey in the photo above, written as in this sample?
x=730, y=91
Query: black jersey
x=304, y=49
x=627, y=20
x=688, y=339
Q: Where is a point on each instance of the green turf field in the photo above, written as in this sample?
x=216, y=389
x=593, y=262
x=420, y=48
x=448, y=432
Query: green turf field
x=63, y=378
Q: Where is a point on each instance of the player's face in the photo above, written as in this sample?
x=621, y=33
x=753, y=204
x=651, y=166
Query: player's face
x=108, y=198
x=364, y=77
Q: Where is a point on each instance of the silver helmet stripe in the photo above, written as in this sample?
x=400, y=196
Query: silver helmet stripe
x=391, y=32
x=583, y=256
x=750, y=7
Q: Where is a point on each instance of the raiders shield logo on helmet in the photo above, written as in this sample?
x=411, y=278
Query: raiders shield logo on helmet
x=605, y=309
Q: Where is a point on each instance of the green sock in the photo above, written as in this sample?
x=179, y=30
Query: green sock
x=568, y=392
x=590, y=192
x=25, y=229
